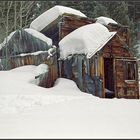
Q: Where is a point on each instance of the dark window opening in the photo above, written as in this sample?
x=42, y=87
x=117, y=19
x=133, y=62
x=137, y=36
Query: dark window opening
x=109, y=78
x=130, y=70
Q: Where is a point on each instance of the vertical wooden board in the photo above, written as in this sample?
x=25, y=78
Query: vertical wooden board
x=102, y=75
x=119, y=78
x=138, y=95
x=92, y=69
x=115, y=78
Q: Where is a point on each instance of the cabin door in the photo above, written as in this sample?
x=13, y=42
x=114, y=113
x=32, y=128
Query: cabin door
x=126, y=78
x=109, y=78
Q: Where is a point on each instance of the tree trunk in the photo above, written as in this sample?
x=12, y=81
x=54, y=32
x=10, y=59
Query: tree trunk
x=7, y=29
x=21, y=14
x=15, y=16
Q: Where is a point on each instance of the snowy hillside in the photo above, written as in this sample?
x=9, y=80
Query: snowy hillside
x=29, y=111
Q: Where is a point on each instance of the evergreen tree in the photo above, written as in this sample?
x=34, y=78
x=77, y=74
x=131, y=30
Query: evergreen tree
x=118, y=10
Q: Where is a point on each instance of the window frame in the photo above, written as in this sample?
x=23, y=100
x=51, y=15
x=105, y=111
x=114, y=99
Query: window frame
x=132, y=65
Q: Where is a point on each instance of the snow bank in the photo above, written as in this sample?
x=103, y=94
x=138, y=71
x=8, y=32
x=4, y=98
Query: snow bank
x=86, y=40
x=26, y=68
x=19, y=94
x=29, y=111
x=52, y=14
x=39, y=36
x=105, y=20
x=42, y=68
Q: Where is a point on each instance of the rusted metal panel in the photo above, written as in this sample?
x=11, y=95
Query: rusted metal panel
x=76, y=69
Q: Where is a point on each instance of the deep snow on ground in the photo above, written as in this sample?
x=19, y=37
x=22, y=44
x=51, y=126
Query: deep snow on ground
x=30, y=111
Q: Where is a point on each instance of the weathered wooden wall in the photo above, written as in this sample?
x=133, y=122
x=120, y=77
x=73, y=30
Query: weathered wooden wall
x=122, y=31
x=114, y=48
x=46, y=80
x=124, y=88
x=120, y=54
x=70, y=23
x=23, y=42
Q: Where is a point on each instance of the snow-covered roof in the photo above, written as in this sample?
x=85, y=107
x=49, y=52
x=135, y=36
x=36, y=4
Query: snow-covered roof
x=105, y=20
x=52, y=14
x=39, y=36
x=33, y=33
x=86, y=40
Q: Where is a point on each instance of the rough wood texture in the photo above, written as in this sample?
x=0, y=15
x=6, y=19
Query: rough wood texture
x=70, y=23
x=46, y=80
x=125, y=89
x=122, y=31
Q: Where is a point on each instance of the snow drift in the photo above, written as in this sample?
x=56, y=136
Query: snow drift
x=29, y=111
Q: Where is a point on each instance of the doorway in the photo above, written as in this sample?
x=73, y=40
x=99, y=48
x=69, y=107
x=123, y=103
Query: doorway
x=109, y=78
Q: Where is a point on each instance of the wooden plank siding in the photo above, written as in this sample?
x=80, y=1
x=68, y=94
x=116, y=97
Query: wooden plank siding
x=46, y=80
x=70, y=23
x=122, y=31
x=124, y=88
x=121, y=54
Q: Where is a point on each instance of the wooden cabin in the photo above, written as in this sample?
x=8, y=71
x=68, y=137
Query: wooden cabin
x=125, y=59
x=29, y=47
x=111, y=72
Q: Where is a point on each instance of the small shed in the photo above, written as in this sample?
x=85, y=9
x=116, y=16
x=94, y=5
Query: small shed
x=99, y=62
x=30, y=47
